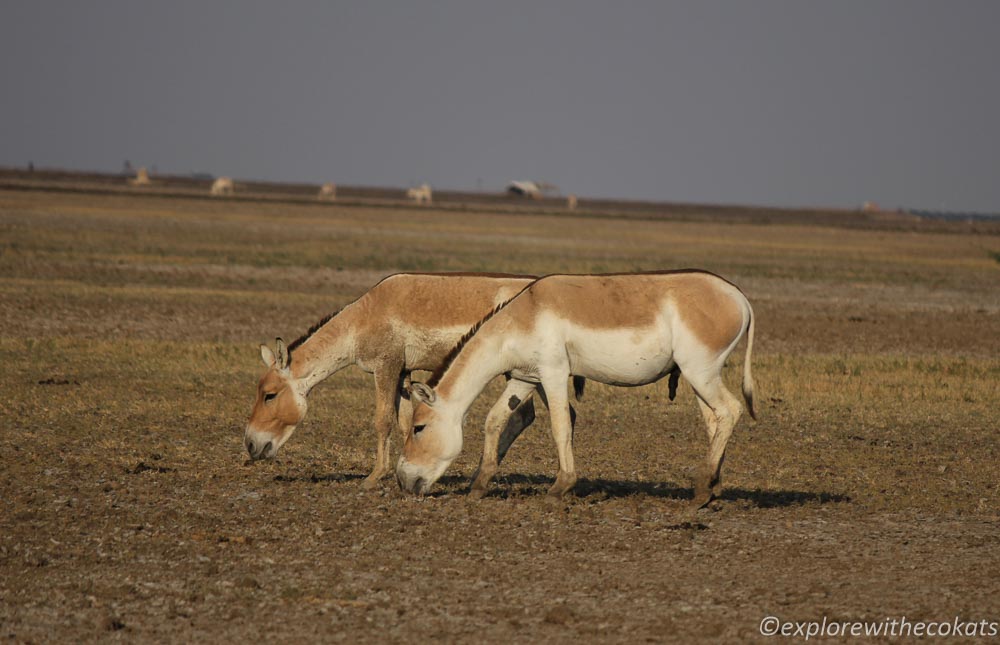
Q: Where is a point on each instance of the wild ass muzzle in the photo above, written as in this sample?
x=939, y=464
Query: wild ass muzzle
x=618, y=329
x=404, y=323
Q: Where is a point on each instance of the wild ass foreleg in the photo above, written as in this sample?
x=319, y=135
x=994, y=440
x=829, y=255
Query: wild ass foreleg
x=572, y=411
x=562, y=420
x=511, y=414
x=387, y=382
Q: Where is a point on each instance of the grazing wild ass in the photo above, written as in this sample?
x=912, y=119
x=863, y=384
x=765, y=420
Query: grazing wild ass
x=327, y=193
x=141, y=178
x=222, y=186
x=619, y=329
x=421, y=194
x=405, y=322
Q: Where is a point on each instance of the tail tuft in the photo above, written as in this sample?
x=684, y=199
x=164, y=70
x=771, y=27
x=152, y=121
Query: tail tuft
x=748, y=397
x=578, y=383
x=747, y=376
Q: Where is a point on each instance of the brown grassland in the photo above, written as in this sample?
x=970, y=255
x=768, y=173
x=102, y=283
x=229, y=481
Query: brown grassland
x=129, y=323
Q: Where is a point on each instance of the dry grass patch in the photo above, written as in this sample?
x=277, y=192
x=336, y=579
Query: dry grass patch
x=129, y=338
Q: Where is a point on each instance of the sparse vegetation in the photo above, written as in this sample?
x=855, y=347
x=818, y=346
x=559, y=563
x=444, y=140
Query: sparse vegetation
x=869, y=486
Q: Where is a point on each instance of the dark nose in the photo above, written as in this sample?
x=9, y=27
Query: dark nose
x=260, y=453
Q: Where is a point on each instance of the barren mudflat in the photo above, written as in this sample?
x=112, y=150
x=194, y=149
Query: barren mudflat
x=867, y=490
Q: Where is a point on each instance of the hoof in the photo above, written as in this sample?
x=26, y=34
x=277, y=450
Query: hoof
x=702, y=493
x=481, y=482
x=563, y=484
x=371, y=482
x=701, y=500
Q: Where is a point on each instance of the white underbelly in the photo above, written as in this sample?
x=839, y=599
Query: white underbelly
x=620, y=357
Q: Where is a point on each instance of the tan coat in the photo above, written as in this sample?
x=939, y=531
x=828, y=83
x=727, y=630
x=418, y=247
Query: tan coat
x=406, y=322
x=619, y=329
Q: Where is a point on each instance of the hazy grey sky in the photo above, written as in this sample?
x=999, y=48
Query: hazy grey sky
x=763, y=102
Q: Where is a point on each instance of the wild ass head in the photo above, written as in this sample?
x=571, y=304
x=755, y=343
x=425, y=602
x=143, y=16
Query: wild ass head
x=433, y=441
x=279, y=407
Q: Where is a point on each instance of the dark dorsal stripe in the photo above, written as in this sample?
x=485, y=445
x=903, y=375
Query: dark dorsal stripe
x=315, y=328
x=453, y=354
x=312, y=330
x=641, y=273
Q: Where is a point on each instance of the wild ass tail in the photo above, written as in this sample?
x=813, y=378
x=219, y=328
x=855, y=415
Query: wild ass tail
x=578, y=383
x=747, y=376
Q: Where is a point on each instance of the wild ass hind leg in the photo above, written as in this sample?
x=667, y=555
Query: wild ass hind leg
x=711, y=427
x=387, y=396
x=518, y=422
x=719, y=404
x=510, y=415
x=562, y=418
x=735, y=410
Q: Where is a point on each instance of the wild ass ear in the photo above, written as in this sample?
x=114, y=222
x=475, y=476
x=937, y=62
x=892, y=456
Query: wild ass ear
x=282, y=353
x=422, y=393
x=267, y=355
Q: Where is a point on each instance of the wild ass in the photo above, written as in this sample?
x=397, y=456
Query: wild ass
x=327, y=192
x=619, y=329
x=141, y=178
x=405, y=322
x=222, y=186
x=422, y=194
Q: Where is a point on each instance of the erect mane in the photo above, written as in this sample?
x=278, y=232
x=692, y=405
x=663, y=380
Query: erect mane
x=453, y=354
x=312, y=330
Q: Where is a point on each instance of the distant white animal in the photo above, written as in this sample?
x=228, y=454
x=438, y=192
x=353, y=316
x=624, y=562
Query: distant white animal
x=525, y=189
x=571, y=202
x=421, y=194
x=327, y=192
x=141, y=178
x=222, y=186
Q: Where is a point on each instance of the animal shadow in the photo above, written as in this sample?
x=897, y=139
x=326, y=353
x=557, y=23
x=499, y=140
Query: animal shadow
x=518, y=485
x=316, y=478
x=531, y=485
